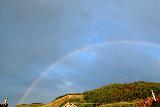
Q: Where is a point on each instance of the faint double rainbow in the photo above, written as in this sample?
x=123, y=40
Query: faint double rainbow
x=126, y=42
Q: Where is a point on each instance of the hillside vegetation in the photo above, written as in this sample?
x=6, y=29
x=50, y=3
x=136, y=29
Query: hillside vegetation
x=118, y=95
x=30, y=105
x=122, y=92
x=59, y=102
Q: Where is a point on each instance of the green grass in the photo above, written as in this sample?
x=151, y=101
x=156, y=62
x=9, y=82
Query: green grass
x=119, y=104
x=30, y=105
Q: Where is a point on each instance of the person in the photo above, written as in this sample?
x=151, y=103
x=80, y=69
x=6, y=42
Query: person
x=5, y=104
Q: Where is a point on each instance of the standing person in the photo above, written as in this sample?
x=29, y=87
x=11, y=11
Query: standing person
x=6, y=102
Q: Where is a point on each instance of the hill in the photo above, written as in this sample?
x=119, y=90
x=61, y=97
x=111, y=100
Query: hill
x=59, y=102
x=122, y=92
x=125, y=94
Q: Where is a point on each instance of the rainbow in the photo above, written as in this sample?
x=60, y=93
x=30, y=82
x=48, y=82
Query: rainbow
x=128, y=42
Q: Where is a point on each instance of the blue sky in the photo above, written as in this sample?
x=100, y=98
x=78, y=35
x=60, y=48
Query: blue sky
x=35, y=34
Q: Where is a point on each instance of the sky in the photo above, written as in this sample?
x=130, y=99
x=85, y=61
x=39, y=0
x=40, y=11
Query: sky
x=52, y=47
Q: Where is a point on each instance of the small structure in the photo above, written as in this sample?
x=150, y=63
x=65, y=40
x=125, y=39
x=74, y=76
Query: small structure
x=69, y=105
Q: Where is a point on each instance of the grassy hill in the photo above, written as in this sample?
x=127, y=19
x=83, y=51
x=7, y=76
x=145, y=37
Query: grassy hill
x=59, y=102
x=113, y=95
